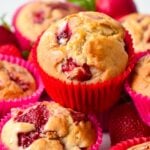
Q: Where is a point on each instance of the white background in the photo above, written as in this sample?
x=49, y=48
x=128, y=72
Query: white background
x=9, y=6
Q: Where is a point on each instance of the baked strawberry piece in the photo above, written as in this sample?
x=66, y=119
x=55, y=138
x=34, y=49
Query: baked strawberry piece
x=47, y=125
x=124, y=123
x=31, y=19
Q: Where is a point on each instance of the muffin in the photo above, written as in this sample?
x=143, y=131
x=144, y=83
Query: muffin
x=144, y=146
x=83, y=47
x=31, y=19
x=20, y=83
x=81, y=58
x=140, y=81
x=47, y=125
x=16, y=81
x=138, y=85
x=138, y=26
x=142, y=143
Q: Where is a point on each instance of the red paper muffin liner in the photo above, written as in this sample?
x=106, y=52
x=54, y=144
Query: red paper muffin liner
x=84, y=97
x=129, y=143
x=6, y=105
x=142, y=103
x=91, y=117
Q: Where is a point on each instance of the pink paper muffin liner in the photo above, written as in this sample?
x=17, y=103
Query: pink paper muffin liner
x=86, y=98
x=24, y=42
x=91, y=117
x=142, y=103
x=129, y=143
x=6, y=105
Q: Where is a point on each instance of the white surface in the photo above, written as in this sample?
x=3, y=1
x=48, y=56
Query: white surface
x=9, y=6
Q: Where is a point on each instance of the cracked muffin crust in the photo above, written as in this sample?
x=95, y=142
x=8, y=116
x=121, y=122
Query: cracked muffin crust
x=47, y=125
x=138, y=26
x=15, y=81
x=140, y=81
x=84, y=47
x=35, y=17
x=143, y=146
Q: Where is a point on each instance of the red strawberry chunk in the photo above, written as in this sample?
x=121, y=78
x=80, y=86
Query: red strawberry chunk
x=83, y=72
x=64, y=36
x=38, y=17
x=37, y=116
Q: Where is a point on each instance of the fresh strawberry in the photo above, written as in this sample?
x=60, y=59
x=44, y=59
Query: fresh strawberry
x=124, y=123
x=7, y=37
x=116, y=8
x=10, y=49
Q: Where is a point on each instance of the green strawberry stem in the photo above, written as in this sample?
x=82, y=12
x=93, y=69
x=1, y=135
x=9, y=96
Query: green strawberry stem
x=87, y=4
x=25, y=54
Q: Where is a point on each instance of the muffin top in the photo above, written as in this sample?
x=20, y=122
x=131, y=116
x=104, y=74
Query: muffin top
x=15, y=81
x=48, y=126
x=35, y=17
x=138, y=26
x=141, y=76
x=87, y=47
x=143, y=146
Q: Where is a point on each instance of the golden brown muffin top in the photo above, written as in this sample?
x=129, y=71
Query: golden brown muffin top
x=35, y=17
x=141, y=76
x=143, y=146
x=15, y=81
x=48, y=125
x=87, y=46
x=138, y=26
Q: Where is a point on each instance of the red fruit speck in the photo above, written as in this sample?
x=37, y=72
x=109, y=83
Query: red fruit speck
x=69, y=65
x=77, y=116
x=25, y=139
x=64, y=36
x=37, y=116
x=83, y=73
x=38, y=17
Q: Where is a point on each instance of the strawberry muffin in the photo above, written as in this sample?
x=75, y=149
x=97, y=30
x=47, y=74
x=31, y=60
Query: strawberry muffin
x=143, y=146
x=47, y=125
x=138, y=26
x=83, y=48
x=15, y=81
x=33, y=18
x=85, y=56
x=140, y=81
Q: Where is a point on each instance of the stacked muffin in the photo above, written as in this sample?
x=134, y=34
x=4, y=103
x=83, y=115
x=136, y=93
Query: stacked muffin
x=84, y=59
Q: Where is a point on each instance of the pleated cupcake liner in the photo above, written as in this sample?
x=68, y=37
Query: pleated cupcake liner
x=141, y=102
x=129, y=143
x=6, y=105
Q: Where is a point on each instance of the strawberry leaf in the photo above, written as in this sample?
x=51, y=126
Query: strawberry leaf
x=87, y=4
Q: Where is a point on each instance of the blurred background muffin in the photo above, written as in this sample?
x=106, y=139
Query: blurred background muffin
x=138, y=26
x=31, y=19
